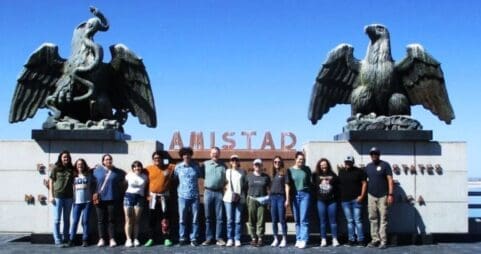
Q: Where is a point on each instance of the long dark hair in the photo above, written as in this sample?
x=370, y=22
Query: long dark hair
x=281, y=170
x=59, y=159
x=329, y=167
x=86, y=167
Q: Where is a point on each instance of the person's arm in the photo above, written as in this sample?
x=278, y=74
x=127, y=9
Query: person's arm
x=50, y=191
x=390, y=184
x=288, y=195
x=360, y=198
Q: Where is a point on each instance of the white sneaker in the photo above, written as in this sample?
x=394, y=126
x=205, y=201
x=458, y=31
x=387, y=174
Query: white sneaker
x=237, y=243
x=335, y=243
x=323, y=242
x=297, y=244
x=302, y=245
x=283, y=243
x=128, y=243
x=136, y=243
x=112, y=243
x=101, y=243
x=275, y=242
x=229, y=243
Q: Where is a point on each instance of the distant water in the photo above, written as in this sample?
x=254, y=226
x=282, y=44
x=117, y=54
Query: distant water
x=474, y=213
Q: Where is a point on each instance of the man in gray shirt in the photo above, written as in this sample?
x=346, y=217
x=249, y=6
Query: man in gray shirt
x=214, y=182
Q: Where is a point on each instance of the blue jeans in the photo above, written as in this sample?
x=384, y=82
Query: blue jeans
x=188, y=208
x=61, y=207
x=278, y=213
x=325, y=210
x=300, y=207
x=214, y=211
x=233, y=213
x=352, y=211
x=79, y=209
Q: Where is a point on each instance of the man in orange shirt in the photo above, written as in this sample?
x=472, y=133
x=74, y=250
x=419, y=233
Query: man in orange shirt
x=160, y=177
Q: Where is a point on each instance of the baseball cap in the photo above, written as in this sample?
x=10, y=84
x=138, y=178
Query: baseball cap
x=349, y=159
x=374, y=150
x=234, y=156
x=257, y=161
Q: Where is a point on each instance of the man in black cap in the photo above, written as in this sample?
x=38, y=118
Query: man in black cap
x=353, y=186
x=380, y=196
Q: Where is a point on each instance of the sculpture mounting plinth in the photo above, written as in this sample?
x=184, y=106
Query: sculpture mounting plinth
x=382, y=135
x=87, y=135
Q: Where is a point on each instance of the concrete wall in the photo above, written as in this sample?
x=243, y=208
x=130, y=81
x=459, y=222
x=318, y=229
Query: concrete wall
x=18, y=168
x=445, y=193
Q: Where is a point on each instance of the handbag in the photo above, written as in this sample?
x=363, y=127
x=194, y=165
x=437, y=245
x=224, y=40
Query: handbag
x=235, y=196
x=96, y=196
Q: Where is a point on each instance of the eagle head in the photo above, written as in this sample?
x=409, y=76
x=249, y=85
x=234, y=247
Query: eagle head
x=376, y=32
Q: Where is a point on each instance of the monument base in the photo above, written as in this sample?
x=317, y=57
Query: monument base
x=99, y=135
x=382, y=135
x=431, y=189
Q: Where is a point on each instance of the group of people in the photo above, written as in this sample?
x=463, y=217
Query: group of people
x=227, y=188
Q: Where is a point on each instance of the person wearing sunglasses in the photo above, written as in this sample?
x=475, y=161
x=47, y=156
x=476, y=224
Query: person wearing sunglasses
x=278, y=202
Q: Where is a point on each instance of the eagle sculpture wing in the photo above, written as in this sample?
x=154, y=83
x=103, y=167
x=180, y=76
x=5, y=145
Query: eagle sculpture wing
x=334, y=82
x=36, y=81
x=132, y=91
x=423, y=79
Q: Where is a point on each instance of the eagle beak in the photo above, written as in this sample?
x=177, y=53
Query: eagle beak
x=371, y=32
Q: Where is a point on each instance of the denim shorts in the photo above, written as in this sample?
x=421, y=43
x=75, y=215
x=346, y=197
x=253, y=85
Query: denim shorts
x=131, y=200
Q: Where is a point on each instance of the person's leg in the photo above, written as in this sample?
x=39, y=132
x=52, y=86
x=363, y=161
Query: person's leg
x=111, y=220
x=304, y=215
x=296, y=213
x=229, y=212
x=346, y=207
x=252, y=215
x=129, y=214
x=281, y=209
x=66, y=209
x=85, y=221
x=195, y=220
x=321, y=213
x=154, y=225
x=373, y=218
x=182, y=203
x=76, y=212
x=57, y=211
x=101, y=210
x=137, y=216
x=164, y=221
x=261, y=221
x=238, y=208
x=219, y=213
x=209, y=197
x=383, y=212
x=332, y=213
x=357, y=211
x=274, y=215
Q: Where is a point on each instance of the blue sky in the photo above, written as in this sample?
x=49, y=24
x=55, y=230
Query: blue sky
x=250, y=65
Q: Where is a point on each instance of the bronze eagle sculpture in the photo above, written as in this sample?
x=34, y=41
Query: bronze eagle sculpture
x=377, y=86
x=83, y=92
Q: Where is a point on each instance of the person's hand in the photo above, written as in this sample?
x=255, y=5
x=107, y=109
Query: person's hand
x=286, y=204
x=51, y=200
x=359, y=199
x=149, y=198
x=390, y=199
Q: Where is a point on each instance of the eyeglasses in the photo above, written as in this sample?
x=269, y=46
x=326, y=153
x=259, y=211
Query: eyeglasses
x=156, y=158
x=277, y=161
x=234, y=159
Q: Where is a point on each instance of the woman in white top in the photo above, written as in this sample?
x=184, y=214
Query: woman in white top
x=134, y=200
x=234, y=201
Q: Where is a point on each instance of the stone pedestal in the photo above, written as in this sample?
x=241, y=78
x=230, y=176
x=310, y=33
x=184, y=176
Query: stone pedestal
x=19, y=163
x=435, y=172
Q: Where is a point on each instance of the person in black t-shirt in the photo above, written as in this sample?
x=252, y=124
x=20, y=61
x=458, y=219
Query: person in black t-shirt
x=352, y=186
x=380, y=196
x=278, y=201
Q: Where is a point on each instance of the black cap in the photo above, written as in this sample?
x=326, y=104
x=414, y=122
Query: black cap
x=375, y=150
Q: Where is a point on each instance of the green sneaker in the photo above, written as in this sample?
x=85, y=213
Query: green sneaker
x=168, y=243
x=149, y=243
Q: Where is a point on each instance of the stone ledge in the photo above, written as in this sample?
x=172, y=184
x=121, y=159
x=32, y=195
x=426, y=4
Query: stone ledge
x=99, y=135
x=383, y=135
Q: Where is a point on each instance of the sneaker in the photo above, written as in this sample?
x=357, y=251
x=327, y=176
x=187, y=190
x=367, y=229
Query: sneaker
x=297, y=244
x=275, y=242
x=382, y=246
x=323, y=242
x=182, y=242
x=259, y=242
x=136, y=243
x=373, y=244
x=302, y=245
x=283, y=243
x=220, y=242
x=101, y=243
x=70, y=243
x=168, y=243
x=361, y=243
x=335, y=243
x=237, y=243
x=194, y=243
x=85, y=243
x=207, y=242
x=128, y=243
x=113, y=243
x=60, y=245
x=350, y=243
x=229, y=243
x=149, y=243
x=254, y=242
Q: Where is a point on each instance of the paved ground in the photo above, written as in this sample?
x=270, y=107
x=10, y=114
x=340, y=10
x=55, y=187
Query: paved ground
x=11, y=244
